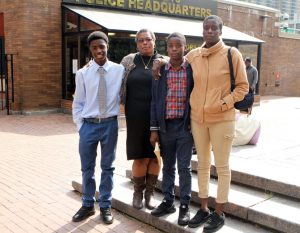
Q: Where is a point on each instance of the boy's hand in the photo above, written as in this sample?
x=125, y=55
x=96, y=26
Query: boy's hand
x=154, y=138
x=157, y=64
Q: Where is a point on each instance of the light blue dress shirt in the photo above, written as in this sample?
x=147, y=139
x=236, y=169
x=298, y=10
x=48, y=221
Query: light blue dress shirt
x=86, y=103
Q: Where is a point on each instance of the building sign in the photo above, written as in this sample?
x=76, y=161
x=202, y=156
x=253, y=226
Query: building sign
x=184, y=8
x=191, y=46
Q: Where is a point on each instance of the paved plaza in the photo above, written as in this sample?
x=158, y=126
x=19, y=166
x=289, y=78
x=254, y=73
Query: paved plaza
x=38, y=162
x=39, y=159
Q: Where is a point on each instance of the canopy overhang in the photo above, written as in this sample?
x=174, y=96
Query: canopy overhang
x=133, y=22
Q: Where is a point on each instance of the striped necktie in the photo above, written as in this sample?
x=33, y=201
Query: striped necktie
x=102, y=91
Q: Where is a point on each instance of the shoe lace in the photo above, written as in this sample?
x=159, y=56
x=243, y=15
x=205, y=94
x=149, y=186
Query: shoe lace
x=106, y=211
x=82, y=210
x=164, y=204
x=215, y=218
x=183, y=213
x=200, y=214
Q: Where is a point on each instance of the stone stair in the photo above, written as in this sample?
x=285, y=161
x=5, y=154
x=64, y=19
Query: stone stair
x=253, y=201
x=271, y=210
x=253, y=178
x=122, y=201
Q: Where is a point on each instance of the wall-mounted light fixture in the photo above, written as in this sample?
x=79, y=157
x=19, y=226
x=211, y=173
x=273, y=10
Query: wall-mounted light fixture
x=265, y=16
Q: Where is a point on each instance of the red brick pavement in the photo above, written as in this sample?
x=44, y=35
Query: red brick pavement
x=39, y=159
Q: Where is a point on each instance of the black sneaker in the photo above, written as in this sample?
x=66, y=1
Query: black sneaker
x=163, y=209
x=83, y=213
x=214, y=223
x=200, y=218
x=107, y=216
x=184, y=215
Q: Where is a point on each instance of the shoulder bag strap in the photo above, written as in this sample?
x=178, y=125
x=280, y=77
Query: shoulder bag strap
x=232, y=81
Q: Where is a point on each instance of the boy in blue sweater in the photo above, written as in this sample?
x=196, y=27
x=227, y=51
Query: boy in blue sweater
x=170, y=125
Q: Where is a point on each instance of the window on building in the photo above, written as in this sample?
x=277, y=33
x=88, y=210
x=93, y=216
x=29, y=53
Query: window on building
x=70, y=21
x=87, y=25
x=249, y=50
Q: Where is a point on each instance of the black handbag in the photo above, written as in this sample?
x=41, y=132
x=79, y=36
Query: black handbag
x=248, y=100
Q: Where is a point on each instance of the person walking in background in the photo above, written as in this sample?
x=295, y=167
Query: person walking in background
x=213, y=116
x=252, y=74
x=95, y=110
x=170, y=125
x=136, y=96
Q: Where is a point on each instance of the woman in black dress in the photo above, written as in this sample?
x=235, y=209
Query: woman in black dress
x=136, y=95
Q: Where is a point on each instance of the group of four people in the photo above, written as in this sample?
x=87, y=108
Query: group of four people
x=188, y=101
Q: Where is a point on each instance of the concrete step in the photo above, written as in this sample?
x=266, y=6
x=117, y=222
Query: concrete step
x=246, y=174
x=269, y=210
x=122, y=201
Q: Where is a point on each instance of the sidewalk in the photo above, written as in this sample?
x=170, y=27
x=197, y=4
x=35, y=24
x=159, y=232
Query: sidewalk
x=38, y=162
x=39, y=159
x=277, y=154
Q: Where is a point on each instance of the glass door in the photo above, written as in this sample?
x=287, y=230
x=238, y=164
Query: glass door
x=2, y=64
x=71, y=66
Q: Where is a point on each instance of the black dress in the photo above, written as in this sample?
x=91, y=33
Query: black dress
x=137, y=109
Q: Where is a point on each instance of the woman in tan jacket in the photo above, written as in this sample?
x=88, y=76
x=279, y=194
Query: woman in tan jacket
x=213, y=116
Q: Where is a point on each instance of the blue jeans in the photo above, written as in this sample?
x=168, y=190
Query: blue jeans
x=176, y=143
x=90, y=135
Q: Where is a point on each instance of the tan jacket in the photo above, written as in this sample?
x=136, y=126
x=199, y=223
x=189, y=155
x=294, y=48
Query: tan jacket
x=211, y=99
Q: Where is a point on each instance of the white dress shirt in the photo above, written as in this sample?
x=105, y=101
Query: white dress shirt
x=85, y=103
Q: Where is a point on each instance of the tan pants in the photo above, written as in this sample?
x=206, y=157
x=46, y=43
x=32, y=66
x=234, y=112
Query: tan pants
x=216, y=136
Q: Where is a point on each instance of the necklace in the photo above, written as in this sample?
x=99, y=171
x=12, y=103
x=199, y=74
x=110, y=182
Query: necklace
x=146, y=66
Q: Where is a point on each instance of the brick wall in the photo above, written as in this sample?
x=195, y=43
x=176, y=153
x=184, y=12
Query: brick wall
x=279, y=55
x=33, y=32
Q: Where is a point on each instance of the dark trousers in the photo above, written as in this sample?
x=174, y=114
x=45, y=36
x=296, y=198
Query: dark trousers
x=176, y=144
x=90, y=135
